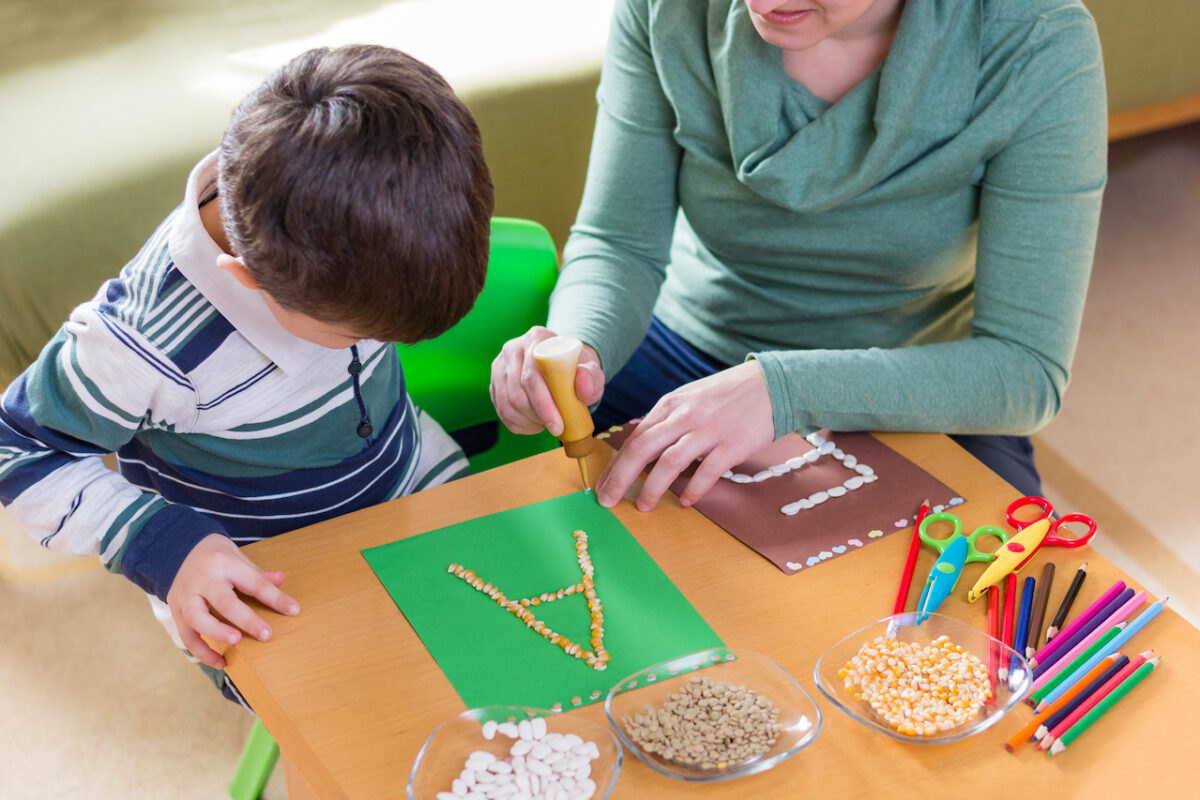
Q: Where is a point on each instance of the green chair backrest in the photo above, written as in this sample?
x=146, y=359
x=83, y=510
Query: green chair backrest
x=449, y=376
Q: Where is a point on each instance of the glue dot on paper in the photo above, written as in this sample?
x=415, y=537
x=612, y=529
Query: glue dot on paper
x=762, y=475
x=863, y=469
x=575, y=701
x=791, y=509
x=870, y=478
x=837, y=491
x=811, y=456
x=714, y=659
x=556, y=707
x=826, y=448
x=728, y=474
x=850, y=460
x=673, y=670
x=739, y=478
x=956, y=500
x=595, y=693
x=818, y=497
x=853, y=483
x=780, y=469
x=795, y=462
x=603, y=435
x=730, y=657
x=651, y=678
x=805, y=504
x=837, y=453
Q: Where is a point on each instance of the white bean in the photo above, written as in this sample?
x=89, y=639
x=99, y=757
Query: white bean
x=539, y=727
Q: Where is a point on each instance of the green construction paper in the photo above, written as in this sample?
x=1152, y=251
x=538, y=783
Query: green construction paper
x=489, y=655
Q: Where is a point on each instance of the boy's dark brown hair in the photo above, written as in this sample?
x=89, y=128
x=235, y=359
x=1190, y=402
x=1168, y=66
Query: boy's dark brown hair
x=353, y=185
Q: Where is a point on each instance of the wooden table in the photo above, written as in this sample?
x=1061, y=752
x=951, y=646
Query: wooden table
x=350, y=693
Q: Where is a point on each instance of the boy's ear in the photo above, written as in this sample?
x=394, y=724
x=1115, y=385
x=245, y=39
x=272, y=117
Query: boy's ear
x=238, y=269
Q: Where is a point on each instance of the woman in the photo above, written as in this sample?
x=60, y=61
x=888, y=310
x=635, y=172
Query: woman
x=845, y=214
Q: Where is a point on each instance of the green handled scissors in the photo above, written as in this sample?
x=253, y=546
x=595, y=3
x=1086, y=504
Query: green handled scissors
x=956, y=550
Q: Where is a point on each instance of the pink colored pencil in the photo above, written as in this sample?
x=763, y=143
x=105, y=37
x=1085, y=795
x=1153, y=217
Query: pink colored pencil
x=1093, y=700
x=1120, y=615
x=1062, y=636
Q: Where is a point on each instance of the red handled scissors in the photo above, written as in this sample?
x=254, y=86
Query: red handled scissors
x=1034, y=533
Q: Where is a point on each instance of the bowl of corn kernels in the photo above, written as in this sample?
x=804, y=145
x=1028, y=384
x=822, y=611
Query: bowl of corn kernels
x=713, y=715
x=514, y=751
x=933, y=683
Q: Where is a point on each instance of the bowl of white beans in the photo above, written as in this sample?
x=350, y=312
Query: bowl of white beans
x=516, y=753
x=713, y=715
x=933, y=683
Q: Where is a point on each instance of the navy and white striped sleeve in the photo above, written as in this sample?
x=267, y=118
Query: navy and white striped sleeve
x=96, y=384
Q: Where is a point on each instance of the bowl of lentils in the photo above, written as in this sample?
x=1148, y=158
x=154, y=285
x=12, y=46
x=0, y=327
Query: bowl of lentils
x=713, y=715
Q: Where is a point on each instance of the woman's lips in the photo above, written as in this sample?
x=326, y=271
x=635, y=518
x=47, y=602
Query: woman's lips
x=779, y=17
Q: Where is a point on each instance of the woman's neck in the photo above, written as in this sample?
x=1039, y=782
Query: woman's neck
x=836, y=64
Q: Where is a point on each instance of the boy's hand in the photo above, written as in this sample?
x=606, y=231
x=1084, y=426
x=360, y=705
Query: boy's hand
x=208, y=581
x=520, y=394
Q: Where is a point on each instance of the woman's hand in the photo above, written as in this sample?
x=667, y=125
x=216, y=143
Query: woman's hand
x=722, y=419
x=520, y=394
x=208, y=584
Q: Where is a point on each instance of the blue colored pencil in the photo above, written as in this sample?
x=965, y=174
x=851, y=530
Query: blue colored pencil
x=1022, y=634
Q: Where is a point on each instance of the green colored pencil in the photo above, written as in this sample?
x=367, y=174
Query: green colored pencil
x=1104, y=705
x=1061, y=674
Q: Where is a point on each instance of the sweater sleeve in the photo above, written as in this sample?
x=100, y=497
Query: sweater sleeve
x=1039, y=207
x=96, y=384
x=615, y=260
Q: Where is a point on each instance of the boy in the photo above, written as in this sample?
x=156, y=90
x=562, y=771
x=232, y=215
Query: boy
x=238, y=366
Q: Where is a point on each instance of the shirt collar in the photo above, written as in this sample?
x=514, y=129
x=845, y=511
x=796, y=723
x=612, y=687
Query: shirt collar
x=195, y=255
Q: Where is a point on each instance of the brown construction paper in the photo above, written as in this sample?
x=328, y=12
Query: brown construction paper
x=751, y=511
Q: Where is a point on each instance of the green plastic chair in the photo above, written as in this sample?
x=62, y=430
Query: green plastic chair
x=448, y=377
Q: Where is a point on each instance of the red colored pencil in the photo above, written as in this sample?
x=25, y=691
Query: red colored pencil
x=1006, y=625
x=993, y=622
x=1050, y=738
x=910, y=564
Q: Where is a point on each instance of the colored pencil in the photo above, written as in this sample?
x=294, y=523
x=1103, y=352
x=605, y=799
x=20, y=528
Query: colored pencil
x=1006, y=623
x=910, y=563
x=1102, y=708
x=993, y=621
x=1061, y=637
x=1028, y=733
x=1060, y=710
x=1054, y=678
x=1112, y=683
x=1113, y=645
x=1073, y=634
x=1065, y=607
x=1022, y=633
x=1132, y=603
x=1038, y=618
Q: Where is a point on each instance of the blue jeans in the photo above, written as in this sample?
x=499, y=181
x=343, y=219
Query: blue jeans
x=664, y=361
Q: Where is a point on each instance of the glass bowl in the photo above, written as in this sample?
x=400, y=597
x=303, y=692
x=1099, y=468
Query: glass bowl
x=903, y=627
x=799, y=719
x=443, y=756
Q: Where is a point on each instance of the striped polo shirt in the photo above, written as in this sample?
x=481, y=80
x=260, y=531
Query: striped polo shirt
x=221, y=420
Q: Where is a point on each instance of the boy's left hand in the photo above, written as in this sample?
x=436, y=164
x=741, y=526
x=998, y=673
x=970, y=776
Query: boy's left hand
x=210, y=580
